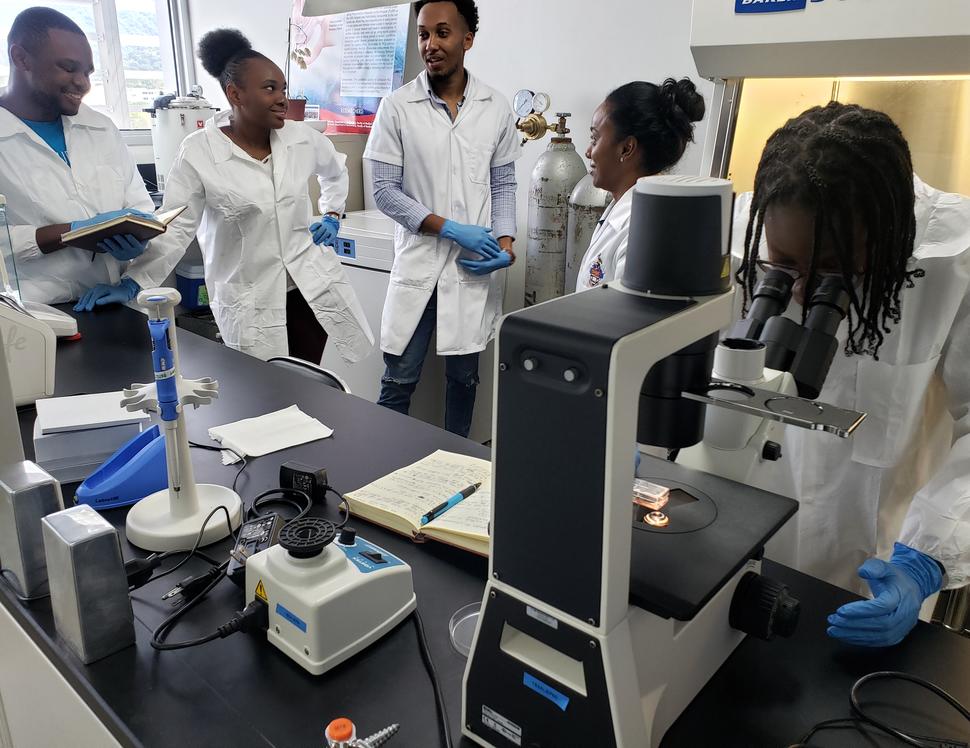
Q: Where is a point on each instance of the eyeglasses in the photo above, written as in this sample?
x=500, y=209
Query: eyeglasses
x=795, y=274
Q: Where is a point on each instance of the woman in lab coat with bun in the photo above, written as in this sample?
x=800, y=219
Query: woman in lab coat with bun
x=640, y=129
x=274, y=285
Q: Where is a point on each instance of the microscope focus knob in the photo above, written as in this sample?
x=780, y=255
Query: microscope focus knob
x=771, y=451
x=763, y=608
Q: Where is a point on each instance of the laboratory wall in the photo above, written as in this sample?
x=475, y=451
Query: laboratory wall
x=264, y=22
x=577, y=52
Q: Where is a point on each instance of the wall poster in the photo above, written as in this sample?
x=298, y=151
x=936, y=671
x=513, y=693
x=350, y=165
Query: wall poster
x=344, y=64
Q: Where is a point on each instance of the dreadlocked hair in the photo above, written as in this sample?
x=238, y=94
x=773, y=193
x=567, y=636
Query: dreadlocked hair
x=848, y=164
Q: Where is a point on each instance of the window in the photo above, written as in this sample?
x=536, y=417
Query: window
x=130, y=36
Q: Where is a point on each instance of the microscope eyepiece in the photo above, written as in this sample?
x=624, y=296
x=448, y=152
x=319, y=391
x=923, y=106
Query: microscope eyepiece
x=770, y=299
x=817, y=348
x=828, y=306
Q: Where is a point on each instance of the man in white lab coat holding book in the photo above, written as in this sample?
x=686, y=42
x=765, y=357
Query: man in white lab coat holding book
x=63, y=166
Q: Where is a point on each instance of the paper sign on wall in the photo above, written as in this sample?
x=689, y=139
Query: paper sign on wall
x=345, y=63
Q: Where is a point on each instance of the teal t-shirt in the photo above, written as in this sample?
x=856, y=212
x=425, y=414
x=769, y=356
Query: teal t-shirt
x=51, y=133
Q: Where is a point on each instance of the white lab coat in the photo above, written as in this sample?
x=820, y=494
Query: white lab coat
x=253, y=232
x=605, y=259
x=447, y=169
x=42, y=190
x=905, y=473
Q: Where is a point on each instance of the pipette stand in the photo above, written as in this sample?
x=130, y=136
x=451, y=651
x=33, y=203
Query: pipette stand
x=170, y=520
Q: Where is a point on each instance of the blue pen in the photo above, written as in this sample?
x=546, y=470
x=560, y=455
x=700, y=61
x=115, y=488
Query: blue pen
x=445, y=506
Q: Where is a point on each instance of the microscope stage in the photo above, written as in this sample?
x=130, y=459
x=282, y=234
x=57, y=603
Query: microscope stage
x=715, y=527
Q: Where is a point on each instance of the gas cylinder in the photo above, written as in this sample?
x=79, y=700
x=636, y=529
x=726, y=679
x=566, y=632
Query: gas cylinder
x=586, y=207
x=556, y=173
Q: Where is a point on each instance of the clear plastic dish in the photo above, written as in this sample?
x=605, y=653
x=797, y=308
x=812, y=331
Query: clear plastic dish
x=462, y=625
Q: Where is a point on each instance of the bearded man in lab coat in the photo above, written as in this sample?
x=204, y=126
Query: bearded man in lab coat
x=62, y=165
x=443, y=149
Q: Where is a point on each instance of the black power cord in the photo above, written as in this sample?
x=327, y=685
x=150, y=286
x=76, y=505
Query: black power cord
x=344, y=506
x=211, y=577
x=210, y=448
x=863, y=721
x=159, y=633
x=285, y=496
x=914, y=740
x=439, y=699
x=137, y=568
x=13, y=587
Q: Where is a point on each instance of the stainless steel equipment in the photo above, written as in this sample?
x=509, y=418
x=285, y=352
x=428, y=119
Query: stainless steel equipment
x=173, y=118
x=27, y=494
x=554, y=177
x=88, y=584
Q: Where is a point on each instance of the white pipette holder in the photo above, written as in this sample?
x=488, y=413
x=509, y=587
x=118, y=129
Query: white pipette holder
x=170, y=520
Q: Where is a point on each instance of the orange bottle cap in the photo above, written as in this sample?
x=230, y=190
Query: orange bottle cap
x=340, y=729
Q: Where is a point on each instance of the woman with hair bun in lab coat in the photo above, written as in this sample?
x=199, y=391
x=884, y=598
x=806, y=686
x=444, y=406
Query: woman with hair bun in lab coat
x=274, y=285
x=640, y=129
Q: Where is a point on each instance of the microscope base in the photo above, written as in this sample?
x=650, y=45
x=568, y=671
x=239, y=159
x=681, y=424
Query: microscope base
x=538, y=684
x=152, y=526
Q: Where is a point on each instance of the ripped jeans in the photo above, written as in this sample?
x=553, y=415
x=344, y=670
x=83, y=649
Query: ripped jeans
x=402, y=374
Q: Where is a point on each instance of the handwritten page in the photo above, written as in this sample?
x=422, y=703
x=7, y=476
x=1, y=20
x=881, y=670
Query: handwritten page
x=470, y=517
x=413, y=490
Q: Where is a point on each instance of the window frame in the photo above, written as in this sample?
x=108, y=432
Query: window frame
x=110, y=58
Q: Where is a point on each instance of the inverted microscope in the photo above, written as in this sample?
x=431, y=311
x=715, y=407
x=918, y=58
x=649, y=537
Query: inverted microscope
x=600, y=623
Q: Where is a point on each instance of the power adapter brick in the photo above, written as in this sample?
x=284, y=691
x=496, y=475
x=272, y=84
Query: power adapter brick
x=312, y=481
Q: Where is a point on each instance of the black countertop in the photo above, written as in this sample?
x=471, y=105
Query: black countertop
x=243, y=692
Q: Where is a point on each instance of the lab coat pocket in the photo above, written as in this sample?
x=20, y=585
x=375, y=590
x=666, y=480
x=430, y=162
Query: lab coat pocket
x=478, y=161
x=302, y=213
x=414, y=260
x=234, y=312
x=892, y=396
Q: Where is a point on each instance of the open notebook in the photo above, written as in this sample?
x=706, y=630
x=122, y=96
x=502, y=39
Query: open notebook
x=142, y=229
x=399, y=500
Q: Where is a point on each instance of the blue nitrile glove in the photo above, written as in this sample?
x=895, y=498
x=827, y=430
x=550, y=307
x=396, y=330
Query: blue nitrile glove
x=102, y=217
x=477, y=239
x=483, y=267
x=900, y=587
x=123, y=247
x=103, y=294
x=325, y=231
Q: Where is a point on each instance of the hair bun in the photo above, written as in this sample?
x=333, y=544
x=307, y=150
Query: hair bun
x=218, y=47
x=683, y=95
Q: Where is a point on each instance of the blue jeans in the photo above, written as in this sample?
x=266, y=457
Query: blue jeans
x=402, y=374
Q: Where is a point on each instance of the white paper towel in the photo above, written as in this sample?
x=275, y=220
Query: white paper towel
x=272, y=432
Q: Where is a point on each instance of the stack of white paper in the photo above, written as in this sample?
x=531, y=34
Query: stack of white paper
x=73, y=436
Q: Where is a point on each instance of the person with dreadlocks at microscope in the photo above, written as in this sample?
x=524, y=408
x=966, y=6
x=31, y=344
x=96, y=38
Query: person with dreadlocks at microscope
x=835, y=193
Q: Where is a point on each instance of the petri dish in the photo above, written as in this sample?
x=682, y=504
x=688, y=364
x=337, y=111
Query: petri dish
x=462, y=627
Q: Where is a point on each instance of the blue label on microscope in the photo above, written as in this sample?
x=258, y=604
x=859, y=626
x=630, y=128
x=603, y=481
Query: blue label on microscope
x=291, y=617
x=559, y=699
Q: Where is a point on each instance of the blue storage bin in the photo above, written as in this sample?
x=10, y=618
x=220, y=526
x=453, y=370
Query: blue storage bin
x=190, y=282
